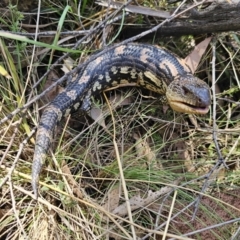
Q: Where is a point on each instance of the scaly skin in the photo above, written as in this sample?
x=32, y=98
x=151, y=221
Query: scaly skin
x=145, y=66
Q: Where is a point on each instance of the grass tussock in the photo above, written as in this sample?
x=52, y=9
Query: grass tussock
x=132, y=169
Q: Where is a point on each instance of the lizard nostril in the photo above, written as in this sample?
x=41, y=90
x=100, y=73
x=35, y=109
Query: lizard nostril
x=200, y=103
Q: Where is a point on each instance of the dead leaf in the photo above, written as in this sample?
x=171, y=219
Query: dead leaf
x=137, y=201
x=74, y=185
x=50, y=95
x=193, y=59
x=68, y=65
x=113, y=198
x=120, y=100
x=144, y=150
x=97, y=115
x=135, y=9
x=117, y=100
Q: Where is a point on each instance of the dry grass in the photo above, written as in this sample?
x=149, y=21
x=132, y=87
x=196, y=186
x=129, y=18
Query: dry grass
x=139, y=150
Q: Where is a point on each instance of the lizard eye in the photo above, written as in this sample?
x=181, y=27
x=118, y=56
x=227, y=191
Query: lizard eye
x=185, y=90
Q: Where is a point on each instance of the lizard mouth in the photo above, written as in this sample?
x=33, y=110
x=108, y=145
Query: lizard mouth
x=189, y=108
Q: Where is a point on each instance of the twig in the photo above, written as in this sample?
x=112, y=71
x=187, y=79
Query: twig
x=172, y=218
x=231, y=61
x=212, y=226
x=205, y=186
x=10, y=143
x=220, y=157
x=123, y=181
x=21, y=146
x=229, y=100
x=236, y=235
x=169, y=215
x=16, y=213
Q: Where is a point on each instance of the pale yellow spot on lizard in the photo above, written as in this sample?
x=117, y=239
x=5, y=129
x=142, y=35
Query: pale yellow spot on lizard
x=114, y=70
x=124, y=70
x=119, y=50
x=72, y=94
x=85, y=78
x=97, y=86
x=107, y=77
